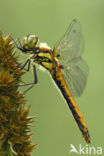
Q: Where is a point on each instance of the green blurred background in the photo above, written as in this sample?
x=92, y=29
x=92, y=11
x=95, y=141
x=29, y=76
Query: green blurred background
x=54, y=126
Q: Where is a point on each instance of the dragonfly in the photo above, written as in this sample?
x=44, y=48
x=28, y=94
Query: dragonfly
x=65, y=64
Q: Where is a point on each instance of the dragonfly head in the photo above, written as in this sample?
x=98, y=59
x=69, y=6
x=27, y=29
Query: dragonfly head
x=29, y=42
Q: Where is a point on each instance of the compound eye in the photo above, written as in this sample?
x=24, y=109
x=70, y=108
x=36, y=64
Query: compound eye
x=24, y=43
x=29, y=42
x=32, y=41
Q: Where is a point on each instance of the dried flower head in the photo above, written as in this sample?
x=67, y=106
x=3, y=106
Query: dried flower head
x=14, y=117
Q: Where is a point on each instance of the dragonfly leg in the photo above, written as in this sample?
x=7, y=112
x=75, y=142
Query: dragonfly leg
x=28, y=68
x=21, y=48
x=19, y=65
x=35, y=80
x=23, y=66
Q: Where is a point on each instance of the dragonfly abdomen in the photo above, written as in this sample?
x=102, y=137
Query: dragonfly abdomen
x=59, y=80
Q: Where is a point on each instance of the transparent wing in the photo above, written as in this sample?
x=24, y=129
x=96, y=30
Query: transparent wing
x=75, y=73
x=70, y=48
x=71, y=44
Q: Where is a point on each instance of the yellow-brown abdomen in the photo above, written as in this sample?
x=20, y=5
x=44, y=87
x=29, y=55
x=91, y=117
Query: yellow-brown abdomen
x=59, y=80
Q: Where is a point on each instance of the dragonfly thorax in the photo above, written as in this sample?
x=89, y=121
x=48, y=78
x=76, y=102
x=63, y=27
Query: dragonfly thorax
x=43, y=56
